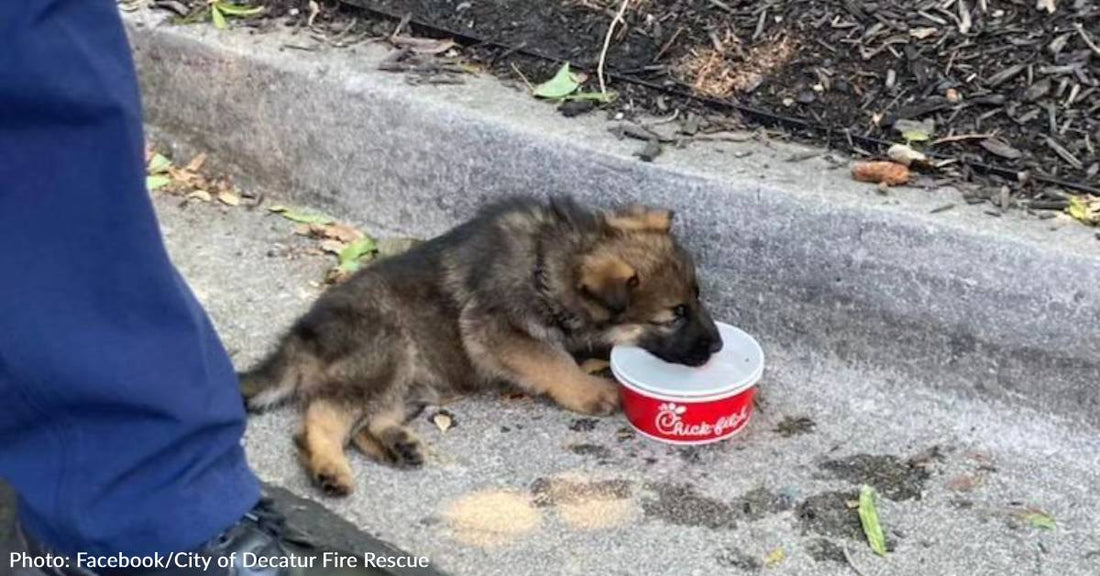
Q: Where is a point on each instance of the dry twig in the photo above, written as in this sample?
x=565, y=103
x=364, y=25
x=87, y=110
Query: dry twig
x=607, y=43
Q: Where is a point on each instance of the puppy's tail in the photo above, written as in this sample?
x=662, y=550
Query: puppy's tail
x=275, y=379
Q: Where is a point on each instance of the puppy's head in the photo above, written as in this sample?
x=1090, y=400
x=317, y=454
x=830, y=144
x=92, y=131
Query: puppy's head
x=641, y=284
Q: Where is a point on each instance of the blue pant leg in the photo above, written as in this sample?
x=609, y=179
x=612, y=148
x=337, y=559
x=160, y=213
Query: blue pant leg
x=120, y=416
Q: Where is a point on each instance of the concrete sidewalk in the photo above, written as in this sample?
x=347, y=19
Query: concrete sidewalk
x=580, y=496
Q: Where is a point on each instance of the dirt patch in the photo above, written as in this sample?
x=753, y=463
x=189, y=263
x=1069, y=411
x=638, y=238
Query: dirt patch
x=713, y=72
x=738, y=559
x=679, y=504
x=760, y=502
x=558, y=491
x=593, y=450
x=586, y=504
x=893, y=477
x=690, y=454
x=792, y=426
x=829, y=514
x=823, y=550
x=583, y=424
x=492, y=518
x=834, y=514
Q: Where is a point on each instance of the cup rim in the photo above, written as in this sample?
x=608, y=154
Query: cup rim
x=718, y=393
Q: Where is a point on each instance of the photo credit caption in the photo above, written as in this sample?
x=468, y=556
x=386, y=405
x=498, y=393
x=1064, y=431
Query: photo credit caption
x=203, y=563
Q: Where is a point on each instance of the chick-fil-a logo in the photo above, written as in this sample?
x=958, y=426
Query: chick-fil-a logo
x=670, y=422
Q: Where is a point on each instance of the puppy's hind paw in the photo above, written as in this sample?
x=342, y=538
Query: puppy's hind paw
x=404, y=448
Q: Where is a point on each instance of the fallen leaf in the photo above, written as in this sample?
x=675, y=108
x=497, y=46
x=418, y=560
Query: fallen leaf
x=349, y=257
x=341, y=232
x=332, y=246
x=561, y=85
x=868, y=517
x=914, y=131
x=443, y=420
x=905, y=155
x=217, y=17
x=229, y=199
x=887, y=172
x=337, y=275
x=156, y=182
x=1000, y=148
x=775, y=557
x=238, y=10
x=196, y=163
x=396, y=245
x=302, y=217
x=921, y=33
x=1087, y=211
x=200, y=195
x=158, y=164
x=1039, y=519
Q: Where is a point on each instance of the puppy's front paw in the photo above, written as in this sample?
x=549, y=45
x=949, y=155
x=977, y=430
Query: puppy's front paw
x=592, y=396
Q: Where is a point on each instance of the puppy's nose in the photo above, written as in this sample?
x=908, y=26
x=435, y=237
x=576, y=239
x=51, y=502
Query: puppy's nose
x=715, y=345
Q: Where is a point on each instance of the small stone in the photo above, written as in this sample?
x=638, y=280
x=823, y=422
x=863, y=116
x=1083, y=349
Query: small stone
x=788, y=102
x=576, y=107
x=953, y=96
x=806, y=97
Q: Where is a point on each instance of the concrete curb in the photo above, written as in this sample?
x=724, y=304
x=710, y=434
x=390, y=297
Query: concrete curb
x=1002, y=308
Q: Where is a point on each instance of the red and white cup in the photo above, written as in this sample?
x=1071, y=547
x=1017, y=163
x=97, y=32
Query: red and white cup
x=683, y=405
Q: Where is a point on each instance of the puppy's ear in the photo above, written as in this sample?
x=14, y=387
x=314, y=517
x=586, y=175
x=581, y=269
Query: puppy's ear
x=607, y=280
x=638, y=218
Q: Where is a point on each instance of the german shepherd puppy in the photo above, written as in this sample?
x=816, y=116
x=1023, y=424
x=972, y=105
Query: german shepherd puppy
x=511, y=296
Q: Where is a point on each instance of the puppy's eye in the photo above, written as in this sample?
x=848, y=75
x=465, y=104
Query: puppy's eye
x=633, y=282
x=680, y=312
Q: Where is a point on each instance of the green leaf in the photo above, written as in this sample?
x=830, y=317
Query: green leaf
x=217, y=16
x=158, y=164
x=1040, y=519
x=303, y=217
x=238, y=10
x=157, y=181
x=350, y=256
x=561, y=85
x=868, y=517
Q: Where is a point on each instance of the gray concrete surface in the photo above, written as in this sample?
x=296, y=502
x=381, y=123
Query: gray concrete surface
x=596, y=500
x=1000, y=308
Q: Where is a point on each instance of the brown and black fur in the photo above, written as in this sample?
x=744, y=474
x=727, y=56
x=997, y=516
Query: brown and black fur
x=511, y=296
